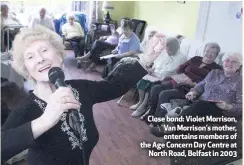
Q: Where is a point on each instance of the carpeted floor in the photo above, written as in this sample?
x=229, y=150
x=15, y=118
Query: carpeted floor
x=120, y=134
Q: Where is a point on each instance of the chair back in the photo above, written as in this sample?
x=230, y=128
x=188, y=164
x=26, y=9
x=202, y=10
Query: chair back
x=139, y=27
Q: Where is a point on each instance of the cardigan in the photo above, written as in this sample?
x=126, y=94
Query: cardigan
x=218, y=87
x=192, y=70
x=165, y=65
x=60, y=145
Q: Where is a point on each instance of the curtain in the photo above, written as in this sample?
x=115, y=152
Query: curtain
x=80, y=6
x=94, y=10
x=90, y=8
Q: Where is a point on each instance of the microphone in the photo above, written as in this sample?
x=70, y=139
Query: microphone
x=56, y=76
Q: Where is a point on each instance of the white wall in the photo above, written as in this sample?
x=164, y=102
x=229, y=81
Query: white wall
x=221, y=25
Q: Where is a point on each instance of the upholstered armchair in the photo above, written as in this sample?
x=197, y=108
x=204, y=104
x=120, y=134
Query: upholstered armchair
x=139, y=27
x=81, y=18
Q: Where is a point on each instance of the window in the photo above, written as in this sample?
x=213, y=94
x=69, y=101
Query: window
x=24, y=11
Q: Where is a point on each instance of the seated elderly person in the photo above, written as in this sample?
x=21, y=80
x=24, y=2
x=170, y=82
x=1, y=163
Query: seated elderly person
x=220, y=93
x=152, y=46
x=99, y=46
x=152, y=49
x=74, y=34
x=165, y=65
x=119, y=29
x=145, y=43
x=175, y=87
x=104, y=43
x=129, y=46
x=8, y=19
x=42, y=19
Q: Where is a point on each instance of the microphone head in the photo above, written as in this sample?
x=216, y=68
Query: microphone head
x=55, y=73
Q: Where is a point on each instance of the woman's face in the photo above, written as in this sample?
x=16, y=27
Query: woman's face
x=151, y=35
x=127, y=31
x=42, y=13
x=231, y=64
x=210, y=55
x=71, y=20
x=39, y=57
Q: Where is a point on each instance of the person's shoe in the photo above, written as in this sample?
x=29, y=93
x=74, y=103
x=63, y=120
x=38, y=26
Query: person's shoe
x=166, y=106
x=159, y=130
x=83, y=58
x=174, y=112
x=138, y=112
x=66, y=45
x=78, y=64
x=134, y=107
x=91, y=68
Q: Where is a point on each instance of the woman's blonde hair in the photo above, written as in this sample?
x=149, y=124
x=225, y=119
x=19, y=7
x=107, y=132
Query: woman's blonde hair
x=27, y=36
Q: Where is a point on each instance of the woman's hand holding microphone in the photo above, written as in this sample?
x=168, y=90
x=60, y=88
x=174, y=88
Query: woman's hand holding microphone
x=59, y=102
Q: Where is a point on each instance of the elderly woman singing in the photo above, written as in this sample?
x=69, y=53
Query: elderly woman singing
x=42, y=124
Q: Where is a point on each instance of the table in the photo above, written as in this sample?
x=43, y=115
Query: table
x=102, y=29
x=7, y=29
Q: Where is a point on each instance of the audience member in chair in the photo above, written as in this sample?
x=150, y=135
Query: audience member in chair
x=147, y=54
x=165, y=65
x=99, y=46
x=105, y=42
x=74, y=34
x=152, y=49
x=119, y=29
x=42, y=19
x=189, y=74
x=220, y=93
x=152, y=45
x=145, y=43
x=129, y=46
x=8, y=19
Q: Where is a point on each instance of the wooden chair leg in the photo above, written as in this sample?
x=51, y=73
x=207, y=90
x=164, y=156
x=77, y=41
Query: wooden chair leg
x=136, y=95
x=121, y=98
